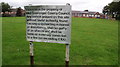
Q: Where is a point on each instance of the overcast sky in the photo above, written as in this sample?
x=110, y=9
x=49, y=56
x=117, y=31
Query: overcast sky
x=91, y=5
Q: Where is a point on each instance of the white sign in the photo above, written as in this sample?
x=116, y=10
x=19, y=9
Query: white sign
x=49, y=23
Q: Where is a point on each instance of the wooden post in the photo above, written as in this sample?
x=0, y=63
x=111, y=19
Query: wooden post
x=31, y=53
x=67, y=55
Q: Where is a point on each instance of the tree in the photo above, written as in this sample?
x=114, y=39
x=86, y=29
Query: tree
x=19, y=12
x=105, y=10
x=5, y=7
x=113, y=9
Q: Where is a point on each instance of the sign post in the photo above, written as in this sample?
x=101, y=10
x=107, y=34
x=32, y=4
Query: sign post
x=48, y=23
x=31, y=53
x=67, y=51
x=67, y=55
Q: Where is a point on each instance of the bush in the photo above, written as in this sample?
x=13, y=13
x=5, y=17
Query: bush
x=118, y=17
x=6, y=15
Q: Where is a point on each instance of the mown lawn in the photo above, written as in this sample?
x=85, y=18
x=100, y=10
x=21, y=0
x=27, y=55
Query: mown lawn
x=93, y=42
x=0, y=41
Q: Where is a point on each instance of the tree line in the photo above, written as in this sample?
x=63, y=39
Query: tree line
x=7, y=8
x=112, y=9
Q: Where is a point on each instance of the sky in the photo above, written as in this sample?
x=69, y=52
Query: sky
x=81, y=5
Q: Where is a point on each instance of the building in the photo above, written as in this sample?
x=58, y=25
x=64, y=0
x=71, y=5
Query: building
x=83, y=14
x=87, y=14
x=12, y=13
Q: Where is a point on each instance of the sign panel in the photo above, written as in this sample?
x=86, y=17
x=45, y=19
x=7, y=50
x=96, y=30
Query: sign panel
x=48, y=23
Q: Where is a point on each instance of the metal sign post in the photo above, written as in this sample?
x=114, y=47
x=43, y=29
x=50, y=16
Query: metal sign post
x=67, y=51
x=31, y=53
x=67, y=55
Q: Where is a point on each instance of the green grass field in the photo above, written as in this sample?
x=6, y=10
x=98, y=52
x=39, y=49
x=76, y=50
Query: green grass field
x=93, y=42
x=0, y=41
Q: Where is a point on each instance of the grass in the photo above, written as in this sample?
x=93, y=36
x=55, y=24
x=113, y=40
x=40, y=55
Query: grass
x=0, y=42
x=93, y=42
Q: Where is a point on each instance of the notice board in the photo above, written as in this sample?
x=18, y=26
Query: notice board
x=48, y=23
